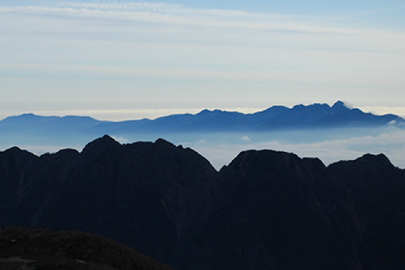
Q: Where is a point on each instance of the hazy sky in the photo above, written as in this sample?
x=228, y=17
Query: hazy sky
x=119, y=60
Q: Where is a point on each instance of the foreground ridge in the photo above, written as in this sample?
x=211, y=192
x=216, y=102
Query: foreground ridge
x=24, y=248
x=265, y=210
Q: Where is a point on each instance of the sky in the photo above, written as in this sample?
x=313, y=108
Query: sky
x=118, y=60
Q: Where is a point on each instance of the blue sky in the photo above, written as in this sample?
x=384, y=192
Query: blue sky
x=120, y=60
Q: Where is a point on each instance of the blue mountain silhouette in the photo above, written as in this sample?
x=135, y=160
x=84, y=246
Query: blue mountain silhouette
x=316, y=116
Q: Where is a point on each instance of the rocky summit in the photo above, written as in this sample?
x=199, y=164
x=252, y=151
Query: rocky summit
x=265, y=210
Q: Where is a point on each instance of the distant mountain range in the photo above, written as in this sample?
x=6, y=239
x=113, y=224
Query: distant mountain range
x=299, y=117
x=265, y=210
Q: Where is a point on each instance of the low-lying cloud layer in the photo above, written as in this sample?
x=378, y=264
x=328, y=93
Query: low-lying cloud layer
x=392, y=144
x=221, y=148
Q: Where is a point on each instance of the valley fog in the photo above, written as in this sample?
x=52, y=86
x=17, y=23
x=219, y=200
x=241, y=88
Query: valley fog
x=330, y=145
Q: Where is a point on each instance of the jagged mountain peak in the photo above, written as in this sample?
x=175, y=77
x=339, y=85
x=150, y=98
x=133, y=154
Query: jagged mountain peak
x=314, y=105
x=317, y=115
x=336, y=106
x=101, y=145
x=215, y=111
x=339, y=105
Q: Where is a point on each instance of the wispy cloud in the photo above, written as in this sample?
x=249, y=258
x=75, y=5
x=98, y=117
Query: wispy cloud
x=152, y=48
x=179, y=15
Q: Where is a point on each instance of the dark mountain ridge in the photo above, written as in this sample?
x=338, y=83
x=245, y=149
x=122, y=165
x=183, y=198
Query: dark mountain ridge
x=265, y=210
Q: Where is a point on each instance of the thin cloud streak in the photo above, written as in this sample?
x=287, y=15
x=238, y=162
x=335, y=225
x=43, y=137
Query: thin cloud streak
x=178, y=15
x=226, y=57
x=117, y=73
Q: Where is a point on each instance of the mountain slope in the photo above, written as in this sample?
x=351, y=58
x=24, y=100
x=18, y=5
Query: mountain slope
x=374, y=188
x=265, y=210
x=146, y=195
x=276, y=215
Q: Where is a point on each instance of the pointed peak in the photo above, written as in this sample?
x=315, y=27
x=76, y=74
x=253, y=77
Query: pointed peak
x=163, y=142
x=18, y=151
x=276, y=109
x=340, y=105
x=205, y=111
x=106, y=138
x=101, y=144
x=13, y=149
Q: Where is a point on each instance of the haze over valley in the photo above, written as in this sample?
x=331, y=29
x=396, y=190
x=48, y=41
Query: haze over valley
x=331, y=132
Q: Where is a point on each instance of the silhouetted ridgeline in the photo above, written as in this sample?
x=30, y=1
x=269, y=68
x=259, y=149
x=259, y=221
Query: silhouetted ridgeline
x=265, y=210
